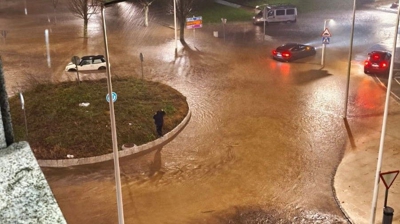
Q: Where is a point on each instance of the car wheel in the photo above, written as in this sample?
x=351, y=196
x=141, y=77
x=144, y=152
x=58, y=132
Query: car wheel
x=102, y=68
x=72, y=70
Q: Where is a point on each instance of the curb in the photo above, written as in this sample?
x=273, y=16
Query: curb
x=126, y=151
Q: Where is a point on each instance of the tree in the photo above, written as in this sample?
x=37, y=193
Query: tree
x=84, y=9
x=146, y=6
x=183, y=8
x=55, y=3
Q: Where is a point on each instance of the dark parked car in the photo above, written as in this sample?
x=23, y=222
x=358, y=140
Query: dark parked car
x=378, y=62
x=293, y=51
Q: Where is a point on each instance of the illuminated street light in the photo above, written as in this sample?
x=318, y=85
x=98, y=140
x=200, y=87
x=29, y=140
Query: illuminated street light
x=112, y=117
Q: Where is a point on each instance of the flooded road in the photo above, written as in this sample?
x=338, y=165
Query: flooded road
x=264, y=139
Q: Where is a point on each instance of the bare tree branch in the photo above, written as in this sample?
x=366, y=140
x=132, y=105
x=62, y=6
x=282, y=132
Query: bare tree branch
x=84, y=9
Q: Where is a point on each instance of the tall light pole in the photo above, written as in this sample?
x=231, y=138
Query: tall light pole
x=385, y=113
x=176, y=32
x=349, y=61
x=112, y=118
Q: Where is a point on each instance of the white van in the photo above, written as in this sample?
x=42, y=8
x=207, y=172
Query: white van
x=276, y=13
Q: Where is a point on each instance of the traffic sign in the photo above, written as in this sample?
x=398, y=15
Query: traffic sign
x=75, y=60
x=325, y=40
x=194, y=22
x=326, y=33
x=388, y=178
x=114, y=97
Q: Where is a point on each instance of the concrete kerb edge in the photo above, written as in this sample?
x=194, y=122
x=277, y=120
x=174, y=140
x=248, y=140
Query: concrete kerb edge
x=126, y=151
x=335, y=196
x=337, y=199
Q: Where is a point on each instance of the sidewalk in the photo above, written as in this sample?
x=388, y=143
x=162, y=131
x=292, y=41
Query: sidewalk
x=355, y=176
x=354, y=181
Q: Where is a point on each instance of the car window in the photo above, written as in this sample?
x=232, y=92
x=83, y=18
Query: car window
x=280, y=12
x=97, y=61
x=289, y=11
x=86, y=62
x=296, y=48
x=271, y=13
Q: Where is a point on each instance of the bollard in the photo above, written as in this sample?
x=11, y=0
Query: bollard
x=387, y=215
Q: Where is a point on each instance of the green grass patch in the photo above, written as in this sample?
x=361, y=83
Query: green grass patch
x=59, y=126
x=213, y=12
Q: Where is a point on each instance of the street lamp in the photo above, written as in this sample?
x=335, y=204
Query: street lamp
x=175, y=28
x=112, y=117
x=323, y=44
x=349, y=61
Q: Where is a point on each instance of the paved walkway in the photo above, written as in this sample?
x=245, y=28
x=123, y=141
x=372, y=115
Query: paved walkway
x=355, y=177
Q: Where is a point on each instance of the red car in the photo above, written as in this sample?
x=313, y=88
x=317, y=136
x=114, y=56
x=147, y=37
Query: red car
x=378, y=62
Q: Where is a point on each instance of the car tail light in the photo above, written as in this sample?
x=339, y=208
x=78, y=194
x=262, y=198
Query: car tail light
x=286, y=54
x=367, y=63
x=274, y=52
x=383, y=64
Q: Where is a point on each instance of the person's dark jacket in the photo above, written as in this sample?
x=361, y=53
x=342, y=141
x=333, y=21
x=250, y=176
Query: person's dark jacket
x=159, y=118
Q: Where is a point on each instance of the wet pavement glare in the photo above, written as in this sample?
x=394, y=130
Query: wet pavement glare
x=263, y=142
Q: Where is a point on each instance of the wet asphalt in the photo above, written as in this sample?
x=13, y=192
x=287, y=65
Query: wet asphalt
x=265, y=137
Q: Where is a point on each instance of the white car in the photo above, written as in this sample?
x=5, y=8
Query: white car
x=88, y=63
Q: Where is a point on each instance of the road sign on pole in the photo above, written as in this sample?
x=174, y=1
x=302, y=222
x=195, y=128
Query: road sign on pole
x=113, y=96
x=326, y=40
x=326, y=33
x=194, y=22
x=389, y=177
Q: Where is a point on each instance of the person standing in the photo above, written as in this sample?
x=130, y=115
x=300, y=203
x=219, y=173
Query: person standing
x=159, y=121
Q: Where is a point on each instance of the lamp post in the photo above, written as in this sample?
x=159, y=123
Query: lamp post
x=349, y=61
x=176, y=32
x=323, y=44
x=112, y=118
x=385, y=113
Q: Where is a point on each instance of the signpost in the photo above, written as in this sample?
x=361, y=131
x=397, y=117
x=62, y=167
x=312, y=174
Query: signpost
x=141, y=62
x=387, y=179
x=325, y=40
x=76, y=60
x=223, y=25
x=194, y=23
x=113, y=96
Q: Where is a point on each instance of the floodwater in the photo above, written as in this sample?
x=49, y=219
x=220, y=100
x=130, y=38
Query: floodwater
x=264, y=139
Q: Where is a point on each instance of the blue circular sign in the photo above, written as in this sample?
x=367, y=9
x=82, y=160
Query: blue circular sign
x=114, y=97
